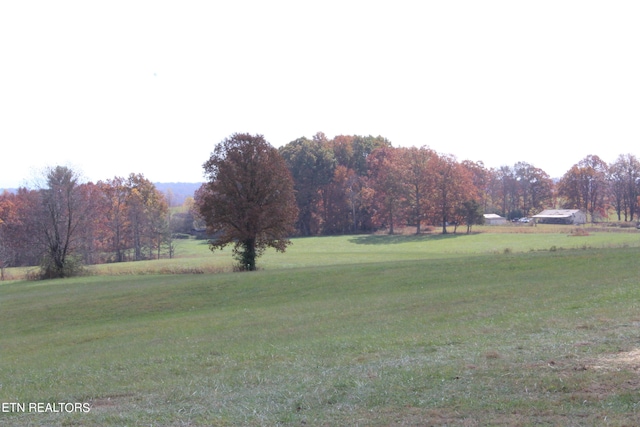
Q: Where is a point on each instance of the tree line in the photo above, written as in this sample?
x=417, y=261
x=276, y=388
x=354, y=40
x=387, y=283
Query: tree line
x=316, y=186
x=64, y=223
x=353, y=184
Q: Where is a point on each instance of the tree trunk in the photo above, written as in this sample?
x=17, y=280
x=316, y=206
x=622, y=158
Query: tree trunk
x=418, y=216
x=248, y=257
x=390, y=217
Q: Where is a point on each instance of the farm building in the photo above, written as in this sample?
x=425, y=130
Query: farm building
x=493, y=219
x=561, y=216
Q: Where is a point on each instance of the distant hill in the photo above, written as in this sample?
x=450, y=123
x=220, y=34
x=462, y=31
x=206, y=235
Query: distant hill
x=177, y=192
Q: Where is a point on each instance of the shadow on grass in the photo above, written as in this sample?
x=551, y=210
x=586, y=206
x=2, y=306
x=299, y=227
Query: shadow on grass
x=386, y=239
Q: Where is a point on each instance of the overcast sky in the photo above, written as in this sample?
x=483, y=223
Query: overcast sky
x=150, y=87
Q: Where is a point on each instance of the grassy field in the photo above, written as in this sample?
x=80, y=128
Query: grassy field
x=193, y=256
x=487, y=329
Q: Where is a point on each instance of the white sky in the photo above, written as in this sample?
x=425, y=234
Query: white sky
x=150, y=87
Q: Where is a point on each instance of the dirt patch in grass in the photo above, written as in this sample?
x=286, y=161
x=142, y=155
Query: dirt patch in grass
x=622, y=360
x=110, y=401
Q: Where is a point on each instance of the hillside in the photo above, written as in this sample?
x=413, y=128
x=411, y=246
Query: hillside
x=179, y=191
x=544, y=337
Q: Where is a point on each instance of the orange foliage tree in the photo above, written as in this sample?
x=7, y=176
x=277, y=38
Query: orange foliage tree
x=417, y=166
x=385, y=178
x=452, y=187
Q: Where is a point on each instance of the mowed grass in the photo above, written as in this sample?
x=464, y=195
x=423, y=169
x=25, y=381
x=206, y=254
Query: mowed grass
x=399, y=336
x=195, y=256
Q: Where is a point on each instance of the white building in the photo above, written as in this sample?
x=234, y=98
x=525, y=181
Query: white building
x=561, y=216
x=493, y=219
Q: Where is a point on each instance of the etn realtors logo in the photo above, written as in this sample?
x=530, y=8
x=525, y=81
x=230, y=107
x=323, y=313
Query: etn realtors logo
x=42, y=407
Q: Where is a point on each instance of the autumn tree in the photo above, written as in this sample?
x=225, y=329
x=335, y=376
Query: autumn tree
x=481, y=180
x=22, y=247
x=58, y=222
x=453, y=186
x=7, y=217
x=114, y=202
x=471, y=213
x=343, y=150
x=346, y=203
x=624, y=185
x=617, y=190
x=135, y=218
x=493, y=195
x=352, y=151
x=5, y=253
x=507, y=191
x=385, y=178
x=418, y=167
x=147, y=214
x=249, y=199
x=570, y=189
x=312, y=165
x=66, y=223
x=595, y=188
x=584, y=186
x=90, y=240
x=518, y=190
x=534, y=188
x=332, y=201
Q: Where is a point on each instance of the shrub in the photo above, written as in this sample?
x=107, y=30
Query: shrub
x=73, y=266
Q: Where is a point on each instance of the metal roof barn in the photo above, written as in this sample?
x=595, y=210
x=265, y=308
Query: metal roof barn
x=561, y=216
x=493, y=219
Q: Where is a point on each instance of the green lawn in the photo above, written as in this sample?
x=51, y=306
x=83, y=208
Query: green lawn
x=326, y=251
x=193, y=256
x=486, y=329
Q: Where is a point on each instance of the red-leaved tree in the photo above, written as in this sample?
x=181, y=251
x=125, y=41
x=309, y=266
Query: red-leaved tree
x=248, y=200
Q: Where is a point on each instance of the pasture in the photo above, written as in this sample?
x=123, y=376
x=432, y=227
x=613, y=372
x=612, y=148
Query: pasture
x=504, y=328
x=194, y=256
